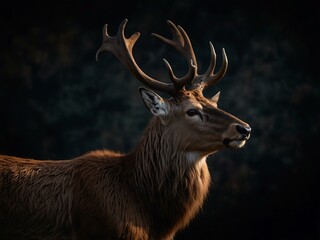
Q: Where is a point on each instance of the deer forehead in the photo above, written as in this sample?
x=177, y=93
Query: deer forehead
x=193, y=99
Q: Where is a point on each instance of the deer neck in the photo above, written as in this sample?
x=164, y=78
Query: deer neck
x=158, y=149
x=168, y=177
x=160, y=164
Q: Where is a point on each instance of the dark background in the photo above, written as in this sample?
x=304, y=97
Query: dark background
x=57, y=102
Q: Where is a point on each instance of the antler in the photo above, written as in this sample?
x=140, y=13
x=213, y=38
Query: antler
x=182, y=43
x=122, y=47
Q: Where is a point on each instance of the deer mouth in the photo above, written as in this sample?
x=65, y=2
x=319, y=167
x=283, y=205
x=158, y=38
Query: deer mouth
x=235, y=143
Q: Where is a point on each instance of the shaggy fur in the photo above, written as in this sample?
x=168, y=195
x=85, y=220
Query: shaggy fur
x=147, y=194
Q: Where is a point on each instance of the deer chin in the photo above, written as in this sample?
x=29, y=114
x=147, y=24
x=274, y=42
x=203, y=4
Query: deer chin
x=234, y=143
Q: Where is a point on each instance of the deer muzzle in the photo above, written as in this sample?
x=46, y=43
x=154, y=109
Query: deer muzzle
x=236, y=135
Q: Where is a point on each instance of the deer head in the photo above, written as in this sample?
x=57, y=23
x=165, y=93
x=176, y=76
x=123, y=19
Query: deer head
x=196, y=122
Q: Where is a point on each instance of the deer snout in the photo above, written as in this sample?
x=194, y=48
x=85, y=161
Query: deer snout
x=236, y=135
x=244, y=130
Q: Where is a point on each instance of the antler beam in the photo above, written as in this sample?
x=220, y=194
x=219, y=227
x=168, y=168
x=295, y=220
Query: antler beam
x=122, y=47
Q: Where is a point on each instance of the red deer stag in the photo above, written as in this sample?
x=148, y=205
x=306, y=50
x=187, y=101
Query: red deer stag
x=149, y=193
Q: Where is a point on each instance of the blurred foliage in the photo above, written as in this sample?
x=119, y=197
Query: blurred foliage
x=57, y=102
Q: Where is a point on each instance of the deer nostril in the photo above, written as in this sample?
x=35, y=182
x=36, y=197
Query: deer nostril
x=244, y=130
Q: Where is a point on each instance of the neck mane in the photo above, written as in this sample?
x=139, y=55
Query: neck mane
x=173, y=183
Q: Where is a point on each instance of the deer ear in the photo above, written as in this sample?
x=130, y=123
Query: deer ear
x=215, y=98
x=154, y=102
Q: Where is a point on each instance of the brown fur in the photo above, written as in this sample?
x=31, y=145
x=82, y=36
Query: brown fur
x=148, y=194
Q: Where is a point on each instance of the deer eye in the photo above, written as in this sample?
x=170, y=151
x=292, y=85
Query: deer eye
x=192, y=112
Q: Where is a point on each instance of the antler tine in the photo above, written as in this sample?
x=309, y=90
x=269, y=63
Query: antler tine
x=213, y=60
x=182, y=43
x=222, y=71
x=179, y=41
x=122, y=47
x=179, y=83
x=210, y=78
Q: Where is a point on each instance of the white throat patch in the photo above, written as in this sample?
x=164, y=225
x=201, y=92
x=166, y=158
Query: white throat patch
x=196, y=157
